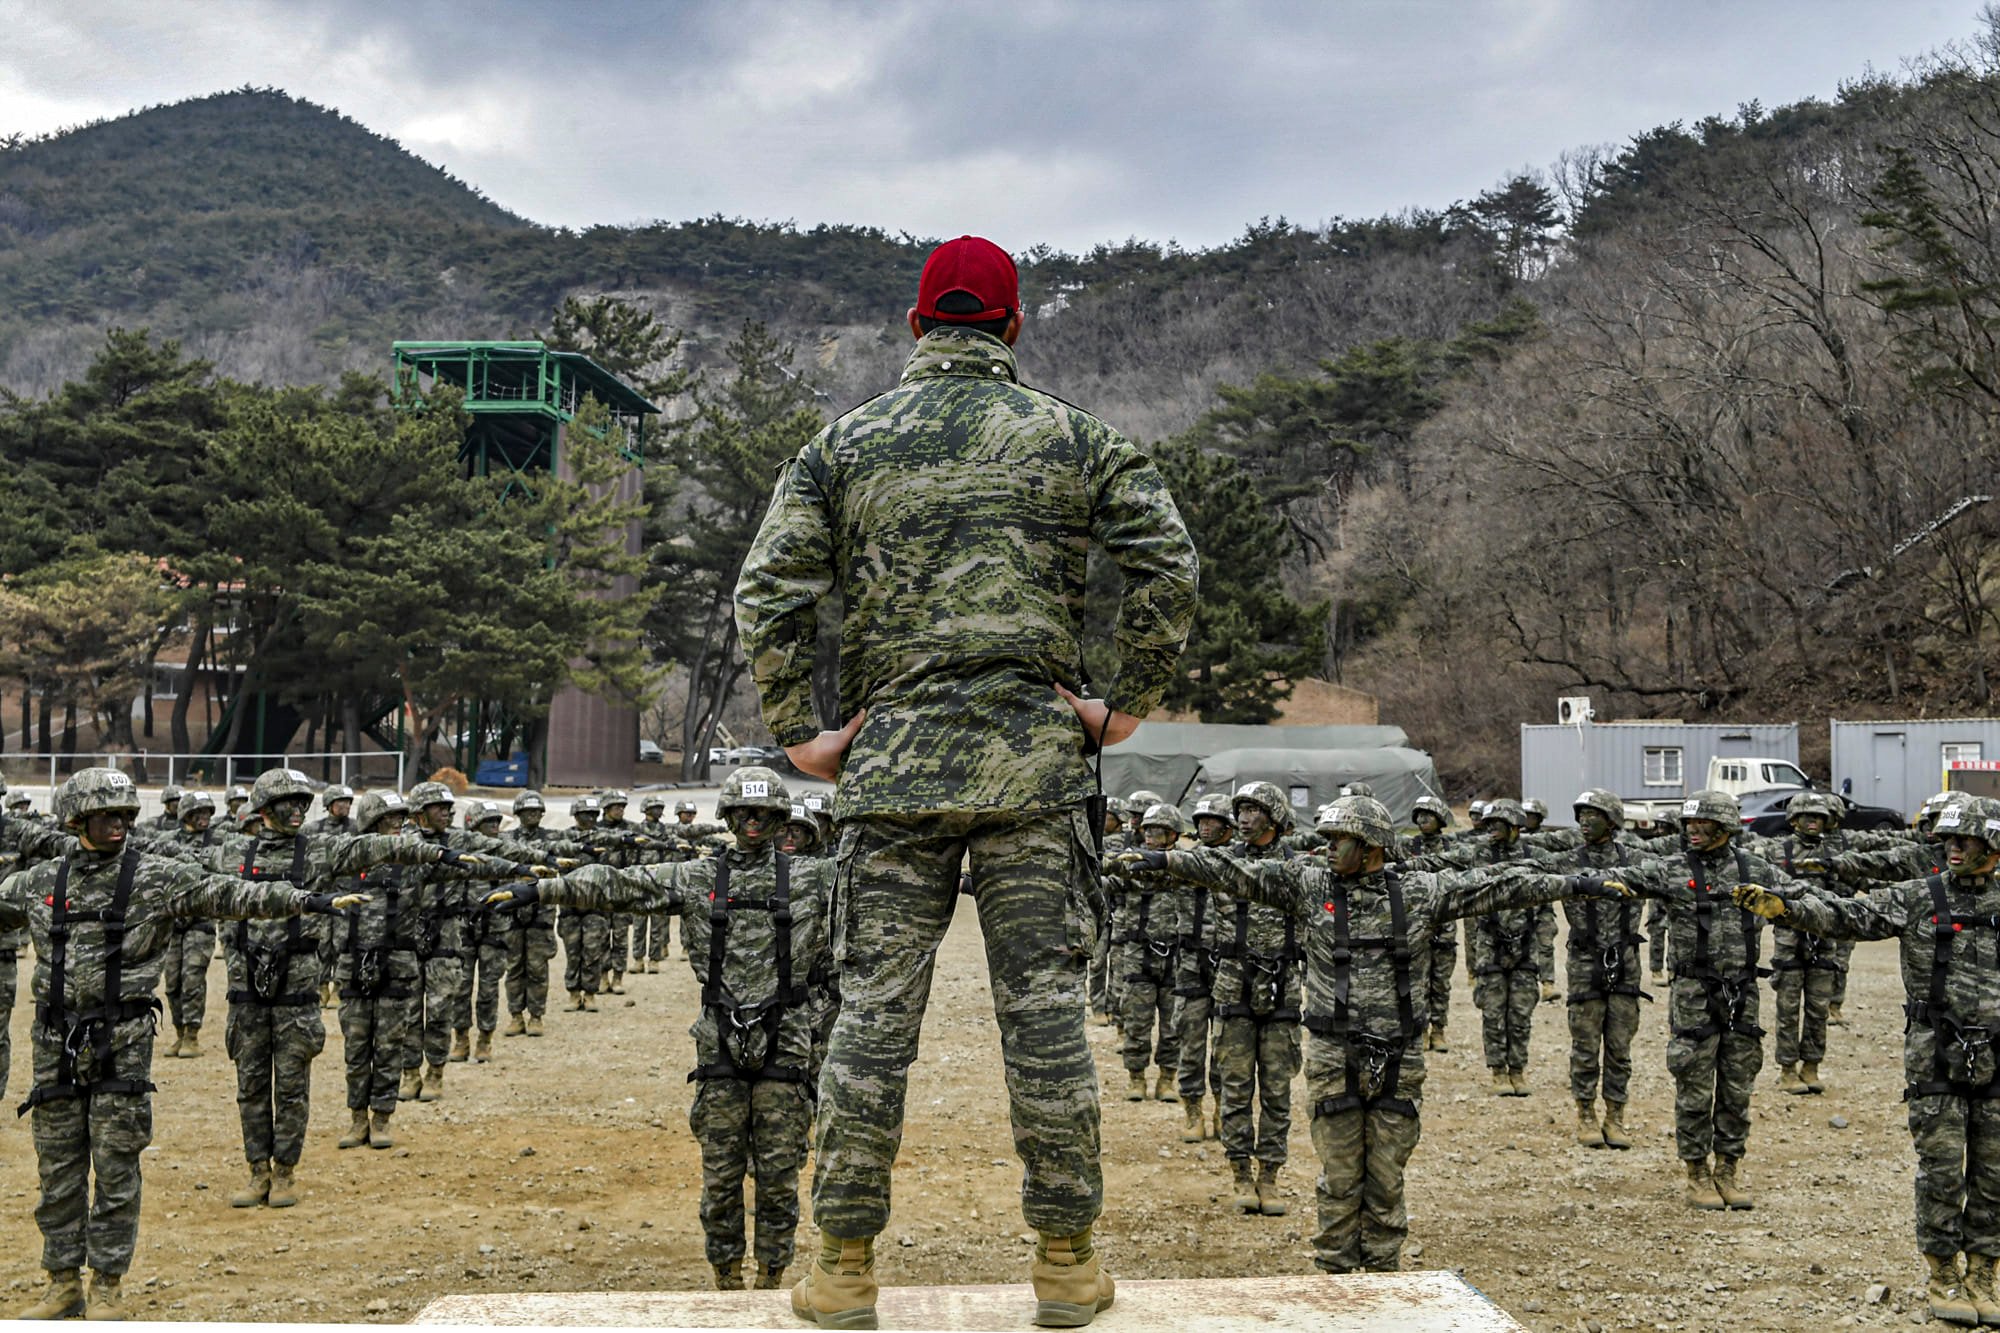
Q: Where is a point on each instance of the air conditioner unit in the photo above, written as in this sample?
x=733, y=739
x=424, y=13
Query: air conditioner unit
x=1573, y=710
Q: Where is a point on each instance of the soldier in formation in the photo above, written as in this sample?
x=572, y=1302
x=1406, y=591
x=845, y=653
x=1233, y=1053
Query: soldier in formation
x=585, y=934
x=1113, y=840
x=531, y=944
x=337, y=800
x=1367, y=928
x=755, y=924
x=1433, y=820
x=652, y=935
x=1199, y=1074
x=1805, y=967
x=1146, y=930
x=169, y=818
x=191, y=945
x=804, y=840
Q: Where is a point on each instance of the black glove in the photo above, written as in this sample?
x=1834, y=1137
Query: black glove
x=449, y=856
x=1147, y=857
x=321, y=904
x=1598, y=886
x=525, y=894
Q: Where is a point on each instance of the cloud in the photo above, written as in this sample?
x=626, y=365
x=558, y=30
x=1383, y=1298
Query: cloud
x=1036, y=120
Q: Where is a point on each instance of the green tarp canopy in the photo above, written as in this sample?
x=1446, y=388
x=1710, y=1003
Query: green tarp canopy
x=1163, y=756
x=1311, y=778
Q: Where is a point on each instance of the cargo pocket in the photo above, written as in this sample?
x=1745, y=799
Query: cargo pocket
x=1087, y=907
x=845, y=858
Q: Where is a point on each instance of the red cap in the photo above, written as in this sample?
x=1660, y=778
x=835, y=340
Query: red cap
x=970, y=264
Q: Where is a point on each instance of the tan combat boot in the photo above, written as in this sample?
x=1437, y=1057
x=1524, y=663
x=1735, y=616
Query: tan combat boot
x=1135, y=1089
x=412, y=1084
x=1701, y=1192
x=1809, y=1075
x=1833, y=1018
x=482, y=1047
x=1437, y=1039
x=1726, y=1184
x=190, y=1042
x=838, y=1290
x=576, y=1000
x=1517, y=1082
x=1588, y=1132
x=1980, y=1285
x=433, y=1084
x=1269, y=1202
x=259, y=1188
x=589, y=1005
x=378, y=1130
x=107, y=1297
x=1502, y=1086
x=284, y=1193
x=357, y=1129
x=616, y=984
x=772, y=1276
x=534, y=1025
x=516, y=1027
x=329, y=995
x=461, y=1046
x=1194, y=1129
x=63, y=1299
x=1071, y=1286
x=1614, y=1126
x=1789, y=1081
x=1163, y=1086
x=729, y=1276
x=180, y=1039
x=1245, y=1186
x=1947, y=1295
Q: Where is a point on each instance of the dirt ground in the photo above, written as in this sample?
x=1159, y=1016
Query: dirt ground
x=567, y=1165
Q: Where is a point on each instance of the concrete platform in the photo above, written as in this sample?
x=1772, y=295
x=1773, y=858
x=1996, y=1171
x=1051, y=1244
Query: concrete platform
x=1426, y=1302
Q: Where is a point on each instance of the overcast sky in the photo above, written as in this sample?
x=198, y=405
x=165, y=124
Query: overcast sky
x=1026, y=120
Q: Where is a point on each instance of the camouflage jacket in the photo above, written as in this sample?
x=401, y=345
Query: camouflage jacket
x=749, y=984
x=1149, y=915
x=1734, y=937
x=1307, y=892
x=1969, y=1012
x=1512, y=940
x=164, y=890
x=329, y=827
x=1601, y=955
x=1791, y=949
x=1257, y=946
x=954, y=514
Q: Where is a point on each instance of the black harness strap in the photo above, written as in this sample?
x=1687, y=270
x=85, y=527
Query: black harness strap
x=267, y=970
x=1727, y=997
x=1381, y=1056
x=1934, y=1012
x=732, y=1016
x=90, y=1030
x=368, y=970
x=1607, y=973
x=1810, y=953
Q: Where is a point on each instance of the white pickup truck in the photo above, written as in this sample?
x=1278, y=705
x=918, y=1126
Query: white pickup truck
x=1737, y=775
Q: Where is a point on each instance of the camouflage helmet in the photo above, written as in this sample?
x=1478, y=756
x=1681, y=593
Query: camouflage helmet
x=1971, y=817
x=1161, y=815
x=1266, y=797
x=1606, y=803
x=1812, y=803
x=484, y=812
x=372, y=808
x=91, y=791
x=335, y=791
x=427, y=794
x=1215, y=805
x=1929, y=809
x=585, y=805
x=17, y=800
x=1532, y=806
x=277, y=784
x=653, y=801
x=754, y=788
x=684, y=808
x=169, y=794
x=1432, y=805
x=1475, y=810
x=1355, y=789
x=1507, y=810
x=611, y=796
x=193, y=803
x=802, y=817
x=1361, y=817
x=1718, y=806
x=239, y=792
x=822, y=810
x=529, y=800
x=1139, y=802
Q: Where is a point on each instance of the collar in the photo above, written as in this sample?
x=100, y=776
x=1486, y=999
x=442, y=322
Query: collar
x=957, y=351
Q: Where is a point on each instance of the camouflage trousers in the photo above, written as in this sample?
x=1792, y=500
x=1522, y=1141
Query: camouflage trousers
x=1196, y=1027
x=825, y=1004
x=494, y=948
x=758, y=1129
x=651, y=936
x=458, y=1005
x=1713, y=1076
x=1958, y=1174
x=1257, y=1060
x=1843, y=950
x=586, y=941
x=184, y=974
x=1101, y=998
x=529, y=949
x=1507, y=1003
x=1600, y=1047
x=10, y=966
x=273, y=1047
x=378, y=1033
x=1803, y=994
x=1362, y=1153
x=619, y=952
x=1033, y=880
x=441, y=974
x=103, y=1135
x=1437, y=986
x=1148, y=1008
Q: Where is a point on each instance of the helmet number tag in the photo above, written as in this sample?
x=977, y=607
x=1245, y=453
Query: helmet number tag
x=1689, y=809
x=756, y=787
